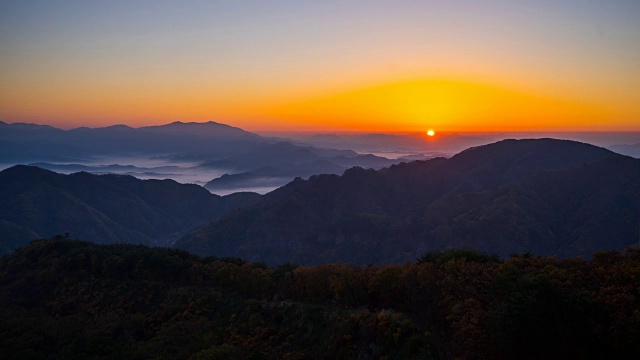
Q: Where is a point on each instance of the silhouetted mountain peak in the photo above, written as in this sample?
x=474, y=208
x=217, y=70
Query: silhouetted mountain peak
x=357, y=171
x=505, y=197
x=19, y=171
x=198, y=129
x=119, y=127
x=193, y=124
x=511, y=160
x=547, y=148
x=29, y=126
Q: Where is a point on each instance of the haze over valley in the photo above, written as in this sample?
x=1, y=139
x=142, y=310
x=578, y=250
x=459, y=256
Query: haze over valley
x=523, y=190
x=226, y=159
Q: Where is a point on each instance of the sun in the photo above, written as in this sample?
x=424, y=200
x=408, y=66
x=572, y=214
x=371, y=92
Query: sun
x=431, y=132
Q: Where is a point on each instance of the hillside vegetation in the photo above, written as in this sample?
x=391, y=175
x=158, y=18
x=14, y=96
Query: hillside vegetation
x=78, y=300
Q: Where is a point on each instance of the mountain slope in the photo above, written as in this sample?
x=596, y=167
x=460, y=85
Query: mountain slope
x=505, y=197
x=103, y=208
x=277, y=164
x=569, y=212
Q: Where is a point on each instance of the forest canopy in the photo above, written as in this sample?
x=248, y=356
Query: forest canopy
x=73, y=299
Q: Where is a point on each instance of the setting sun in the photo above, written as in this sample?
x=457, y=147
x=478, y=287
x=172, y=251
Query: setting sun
x=431, y=132
x=449, y=104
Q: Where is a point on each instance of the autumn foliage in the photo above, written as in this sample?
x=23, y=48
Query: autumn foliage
x=72, y=299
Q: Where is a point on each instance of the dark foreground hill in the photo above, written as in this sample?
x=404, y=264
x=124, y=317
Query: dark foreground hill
x=552, y=197
x=104, y=208
x=62, y=299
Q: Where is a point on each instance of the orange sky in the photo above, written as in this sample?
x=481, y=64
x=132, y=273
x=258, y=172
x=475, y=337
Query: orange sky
x=324, y=66
x=448, y=105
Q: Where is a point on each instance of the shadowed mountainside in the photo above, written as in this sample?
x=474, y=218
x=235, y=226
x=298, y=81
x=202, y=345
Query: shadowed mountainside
x=552, y=197
x=103, y=208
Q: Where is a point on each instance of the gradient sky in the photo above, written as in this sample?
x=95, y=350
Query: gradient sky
x=323, y=65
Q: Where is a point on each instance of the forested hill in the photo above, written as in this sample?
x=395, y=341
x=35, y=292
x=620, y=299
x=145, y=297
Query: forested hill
x=552, y=197
x=103, y=208
x=77, y=300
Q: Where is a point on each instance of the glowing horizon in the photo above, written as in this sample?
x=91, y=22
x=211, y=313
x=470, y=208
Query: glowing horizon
x=271, y=66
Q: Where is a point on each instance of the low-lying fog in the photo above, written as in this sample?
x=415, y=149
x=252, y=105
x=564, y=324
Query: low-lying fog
x=397, y=147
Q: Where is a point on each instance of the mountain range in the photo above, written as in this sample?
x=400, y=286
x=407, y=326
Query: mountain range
x=277, y=164
x=109, y=208
x=550, y=197
x=545, y=196
x=177, y=151
x=22, y=142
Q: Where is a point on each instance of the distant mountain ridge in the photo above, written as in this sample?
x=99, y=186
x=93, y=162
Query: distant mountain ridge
x=549, y=196
x=29, y=142
x=277, y=164
x=247, y=158
x=102, y=208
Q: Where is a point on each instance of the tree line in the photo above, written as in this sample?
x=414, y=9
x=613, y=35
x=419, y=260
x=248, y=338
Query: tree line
x=73, y=299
